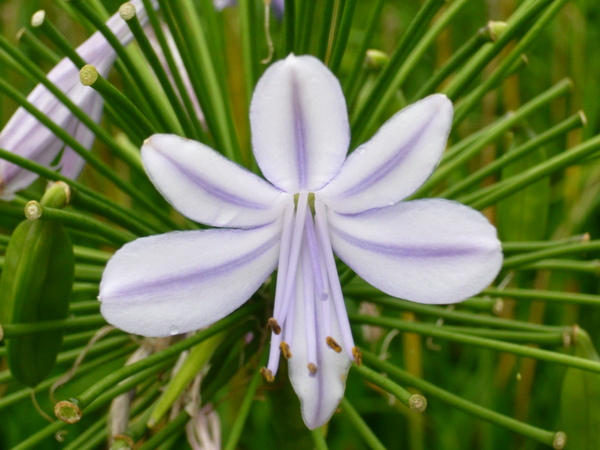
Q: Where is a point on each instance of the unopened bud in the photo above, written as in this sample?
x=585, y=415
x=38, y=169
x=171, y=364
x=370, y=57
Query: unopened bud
x=376, y=60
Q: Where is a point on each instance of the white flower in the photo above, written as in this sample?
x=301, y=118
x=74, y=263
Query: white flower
x=317, y=202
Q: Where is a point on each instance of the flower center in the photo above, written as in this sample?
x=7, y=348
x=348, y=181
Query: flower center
x=307, y=273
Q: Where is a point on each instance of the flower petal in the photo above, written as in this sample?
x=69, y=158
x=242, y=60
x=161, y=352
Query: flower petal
x=396, y=161
x=207, y=187
x=319, y=393
x=299, y=122
x=426, y=251
x=182, y=281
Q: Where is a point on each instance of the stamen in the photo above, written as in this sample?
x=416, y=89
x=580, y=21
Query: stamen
x=284, y=255
x=315, y=259
x=333, y=344
x=273, y=325
x=285, y=350
x=357, y=356
x=274, y=353
x=312, y=368
x=334, y=279
x=310, y=319
x=267, y=374
x=294, y=255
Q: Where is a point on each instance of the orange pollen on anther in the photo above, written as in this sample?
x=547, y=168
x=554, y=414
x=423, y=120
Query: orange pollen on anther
x=285, y=350
x=333, y=344
x=267, y=374
x=273, y=325
x=312, y=368
x=357, y=356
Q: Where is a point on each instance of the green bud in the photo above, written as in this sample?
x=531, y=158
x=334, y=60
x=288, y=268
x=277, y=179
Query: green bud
x=36, y=286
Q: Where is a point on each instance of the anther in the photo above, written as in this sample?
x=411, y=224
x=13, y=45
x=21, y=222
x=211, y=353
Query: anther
x=273, y=325
x=285, y=350
x=334, y=345
x=312, y=368
x=267, y=374
x=357, y=356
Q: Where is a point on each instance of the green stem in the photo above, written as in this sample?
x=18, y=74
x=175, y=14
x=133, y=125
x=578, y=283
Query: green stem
x=74, y=323
x=341, y=37
x=518, y=261
x=553, y=296
x=452, y=315
x=174, y=426
x=489, y=196
x=384, y=383
x=442, y=333
x=538, y=434
x=359, y=425
x=79, y=221
x=243, y=411
x=575, y=121
x=460, y=154
x=587, y=267
x=110, y=380
x=319, y=439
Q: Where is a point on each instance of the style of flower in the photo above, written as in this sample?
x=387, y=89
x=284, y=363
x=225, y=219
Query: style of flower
x=26, y=136
x=317, y=202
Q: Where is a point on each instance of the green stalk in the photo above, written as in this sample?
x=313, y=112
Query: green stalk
x=370, y=116
x=384, y=383
x=455, y=316
x=575, y=121
x=142, y=40
x=489, y=196
x=569, y=248
x=341, y=36
x=94, y=391
x=23, y=394
x=203, y=74
x=166, y=120
x=102, y=168
x=413, y=35
x=35, y=211
x=86, y=272
x=174, y=69
x=457, y=60
x=84, y=307
x=319, y=439
x=90, y=76
x=504, y=67
x=529, y=246
x=360, y=426
x=243, y=411
x=538, y=434
x=350, y=84
x=586, y=267
x=442, y=333
x=460, y=154
x=27, y=37
x=520, y=20
x=73, y=323
x=175, y=426
x=549, y=296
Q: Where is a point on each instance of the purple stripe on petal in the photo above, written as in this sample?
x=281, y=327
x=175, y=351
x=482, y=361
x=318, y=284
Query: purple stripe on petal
x=192, y=276
x=299, y=134
x=409, y=250
x=392, y=163
x=213, y=189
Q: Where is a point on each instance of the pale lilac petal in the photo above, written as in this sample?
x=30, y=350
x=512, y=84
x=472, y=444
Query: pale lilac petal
x=183, y=281
x=426, y=251
x=396, y=161
x=207, y=187
x=321, y=393
x=299, y=122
